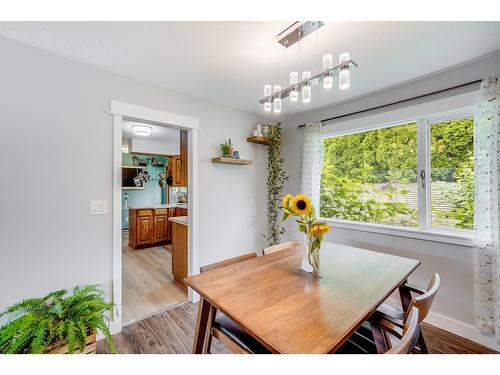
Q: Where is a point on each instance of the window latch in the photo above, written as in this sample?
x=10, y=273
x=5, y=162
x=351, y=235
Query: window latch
x=422, y=177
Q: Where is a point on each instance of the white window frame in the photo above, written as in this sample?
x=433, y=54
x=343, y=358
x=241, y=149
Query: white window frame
x=424, y=230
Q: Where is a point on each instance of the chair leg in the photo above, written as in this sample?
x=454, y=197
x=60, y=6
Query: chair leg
x=380, y=339
x=422, y=345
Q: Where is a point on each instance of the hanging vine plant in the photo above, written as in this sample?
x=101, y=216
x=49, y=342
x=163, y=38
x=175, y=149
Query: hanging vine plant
x=276, y=178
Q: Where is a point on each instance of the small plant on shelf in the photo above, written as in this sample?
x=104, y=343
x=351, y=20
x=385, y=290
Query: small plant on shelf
x=226, y=148
x=38, y=325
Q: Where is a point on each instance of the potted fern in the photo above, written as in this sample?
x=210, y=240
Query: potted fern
x=60, y=322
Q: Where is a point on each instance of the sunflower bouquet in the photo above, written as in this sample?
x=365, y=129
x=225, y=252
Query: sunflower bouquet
x=300, y=206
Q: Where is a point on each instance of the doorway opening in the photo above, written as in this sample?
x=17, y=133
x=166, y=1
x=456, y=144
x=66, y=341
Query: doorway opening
x=154, y=211
x=154, y=192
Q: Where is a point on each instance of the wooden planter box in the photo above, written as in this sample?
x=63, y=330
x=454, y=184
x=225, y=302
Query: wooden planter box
x=90, y=347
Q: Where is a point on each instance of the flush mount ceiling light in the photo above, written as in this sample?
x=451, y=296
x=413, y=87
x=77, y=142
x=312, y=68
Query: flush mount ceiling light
x=143, y=130
x=294, y=34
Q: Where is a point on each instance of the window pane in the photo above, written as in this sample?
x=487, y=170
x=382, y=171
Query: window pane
x=452, y=174
x=371, y=176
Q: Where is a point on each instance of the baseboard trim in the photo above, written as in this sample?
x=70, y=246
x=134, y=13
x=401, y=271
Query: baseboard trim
x=458, y=328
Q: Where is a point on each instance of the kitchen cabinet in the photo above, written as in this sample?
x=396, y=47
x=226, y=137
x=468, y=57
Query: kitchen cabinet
x=147, y=227
x=171, y=213
x=181, y=211
x=178, y=165
x=175, y=170
x=179, y=253
x=144, y=230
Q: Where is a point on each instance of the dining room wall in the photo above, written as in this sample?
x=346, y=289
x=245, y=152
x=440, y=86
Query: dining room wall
x=453, y=308
x=56, y=111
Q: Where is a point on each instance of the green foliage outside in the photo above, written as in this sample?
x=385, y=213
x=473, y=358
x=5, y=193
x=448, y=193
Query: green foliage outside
x=366, y=175
x=35, y=324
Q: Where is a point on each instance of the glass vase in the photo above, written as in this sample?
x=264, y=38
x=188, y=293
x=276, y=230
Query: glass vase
x=311, y=262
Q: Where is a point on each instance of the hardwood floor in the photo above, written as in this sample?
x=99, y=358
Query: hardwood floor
x=172, y=331
x=148, y=282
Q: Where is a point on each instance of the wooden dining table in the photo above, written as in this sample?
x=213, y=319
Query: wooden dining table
x=289, y=311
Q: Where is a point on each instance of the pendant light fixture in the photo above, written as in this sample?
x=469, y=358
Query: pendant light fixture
x=327, y=65
x=306, y=87
x=277, y=99
x=273, y=96
x=345, y=74
x=267, y=93
x=294, y=80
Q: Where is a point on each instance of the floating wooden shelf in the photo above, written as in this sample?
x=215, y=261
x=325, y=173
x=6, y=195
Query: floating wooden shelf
x=231, y=161
x=257, y=139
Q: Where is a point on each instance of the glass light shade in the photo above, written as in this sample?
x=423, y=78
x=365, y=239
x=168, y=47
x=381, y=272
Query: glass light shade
x=268, y=90
x=345, y=74
x=143, y=130
x=294, y=79
x=306, y=89
x=327, y=64
x=277, y=99
x=267, y=106
x=327, y=61
x=327, y=81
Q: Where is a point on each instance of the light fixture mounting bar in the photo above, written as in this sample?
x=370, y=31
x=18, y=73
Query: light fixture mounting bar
x=297, y=31
x=286, y=91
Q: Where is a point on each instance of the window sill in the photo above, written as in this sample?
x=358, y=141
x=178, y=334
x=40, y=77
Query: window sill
x=457, y=237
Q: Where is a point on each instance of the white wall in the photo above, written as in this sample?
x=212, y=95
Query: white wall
x=56, y=155
x=454, y=306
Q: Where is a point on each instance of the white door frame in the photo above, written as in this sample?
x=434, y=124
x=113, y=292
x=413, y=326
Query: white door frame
x=121, y=110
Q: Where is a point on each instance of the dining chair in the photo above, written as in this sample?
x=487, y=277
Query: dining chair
x=225, y=329
x=423, y=301
x=279, y=247
x=362, y=343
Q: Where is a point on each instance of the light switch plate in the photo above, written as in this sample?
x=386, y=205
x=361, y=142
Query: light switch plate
x=98, y=207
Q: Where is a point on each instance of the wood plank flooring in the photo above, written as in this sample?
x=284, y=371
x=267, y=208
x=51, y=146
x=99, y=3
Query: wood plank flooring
x=172, y=331
x=147, y=282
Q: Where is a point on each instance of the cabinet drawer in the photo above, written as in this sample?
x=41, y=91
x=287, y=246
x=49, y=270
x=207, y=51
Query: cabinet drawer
x=171, y=212
x=160, y=211
x=144, y=213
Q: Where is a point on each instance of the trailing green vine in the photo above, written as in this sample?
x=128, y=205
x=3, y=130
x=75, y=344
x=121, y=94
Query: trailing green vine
x=276, y=178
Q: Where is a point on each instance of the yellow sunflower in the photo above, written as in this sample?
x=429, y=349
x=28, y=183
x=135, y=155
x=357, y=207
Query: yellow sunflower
x=286, y=200
x=319, y=228
x=301, y=204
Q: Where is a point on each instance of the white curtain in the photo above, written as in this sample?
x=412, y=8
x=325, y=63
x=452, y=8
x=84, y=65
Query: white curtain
x=312, y=162
x=486, y=207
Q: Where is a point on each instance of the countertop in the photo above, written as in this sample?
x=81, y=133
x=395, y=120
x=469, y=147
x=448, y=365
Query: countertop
x=179, y=220
x=153, y=206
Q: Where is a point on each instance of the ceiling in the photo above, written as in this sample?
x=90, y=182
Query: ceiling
x=229, y=62
x=159, y=133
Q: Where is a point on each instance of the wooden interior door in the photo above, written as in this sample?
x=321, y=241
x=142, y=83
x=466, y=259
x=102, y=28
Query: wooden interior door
x=144, y=230
x=160, y=230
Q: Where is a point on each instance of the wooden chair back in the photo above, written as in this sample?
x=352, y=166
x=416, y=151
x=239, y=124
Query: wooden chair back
x=227, y=262
x=424, y=301
x=411, y=333
x=279, y=247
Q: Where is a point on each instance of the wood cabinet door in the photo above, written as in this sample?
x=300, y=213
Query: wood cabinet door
x=184, y=158
x=144, y=230
x=160, y=228
x=178, y=171
x=179, y=254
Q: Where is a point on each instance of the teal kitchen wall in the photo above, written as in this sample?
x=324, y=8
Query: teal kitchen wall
x=152, y=194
